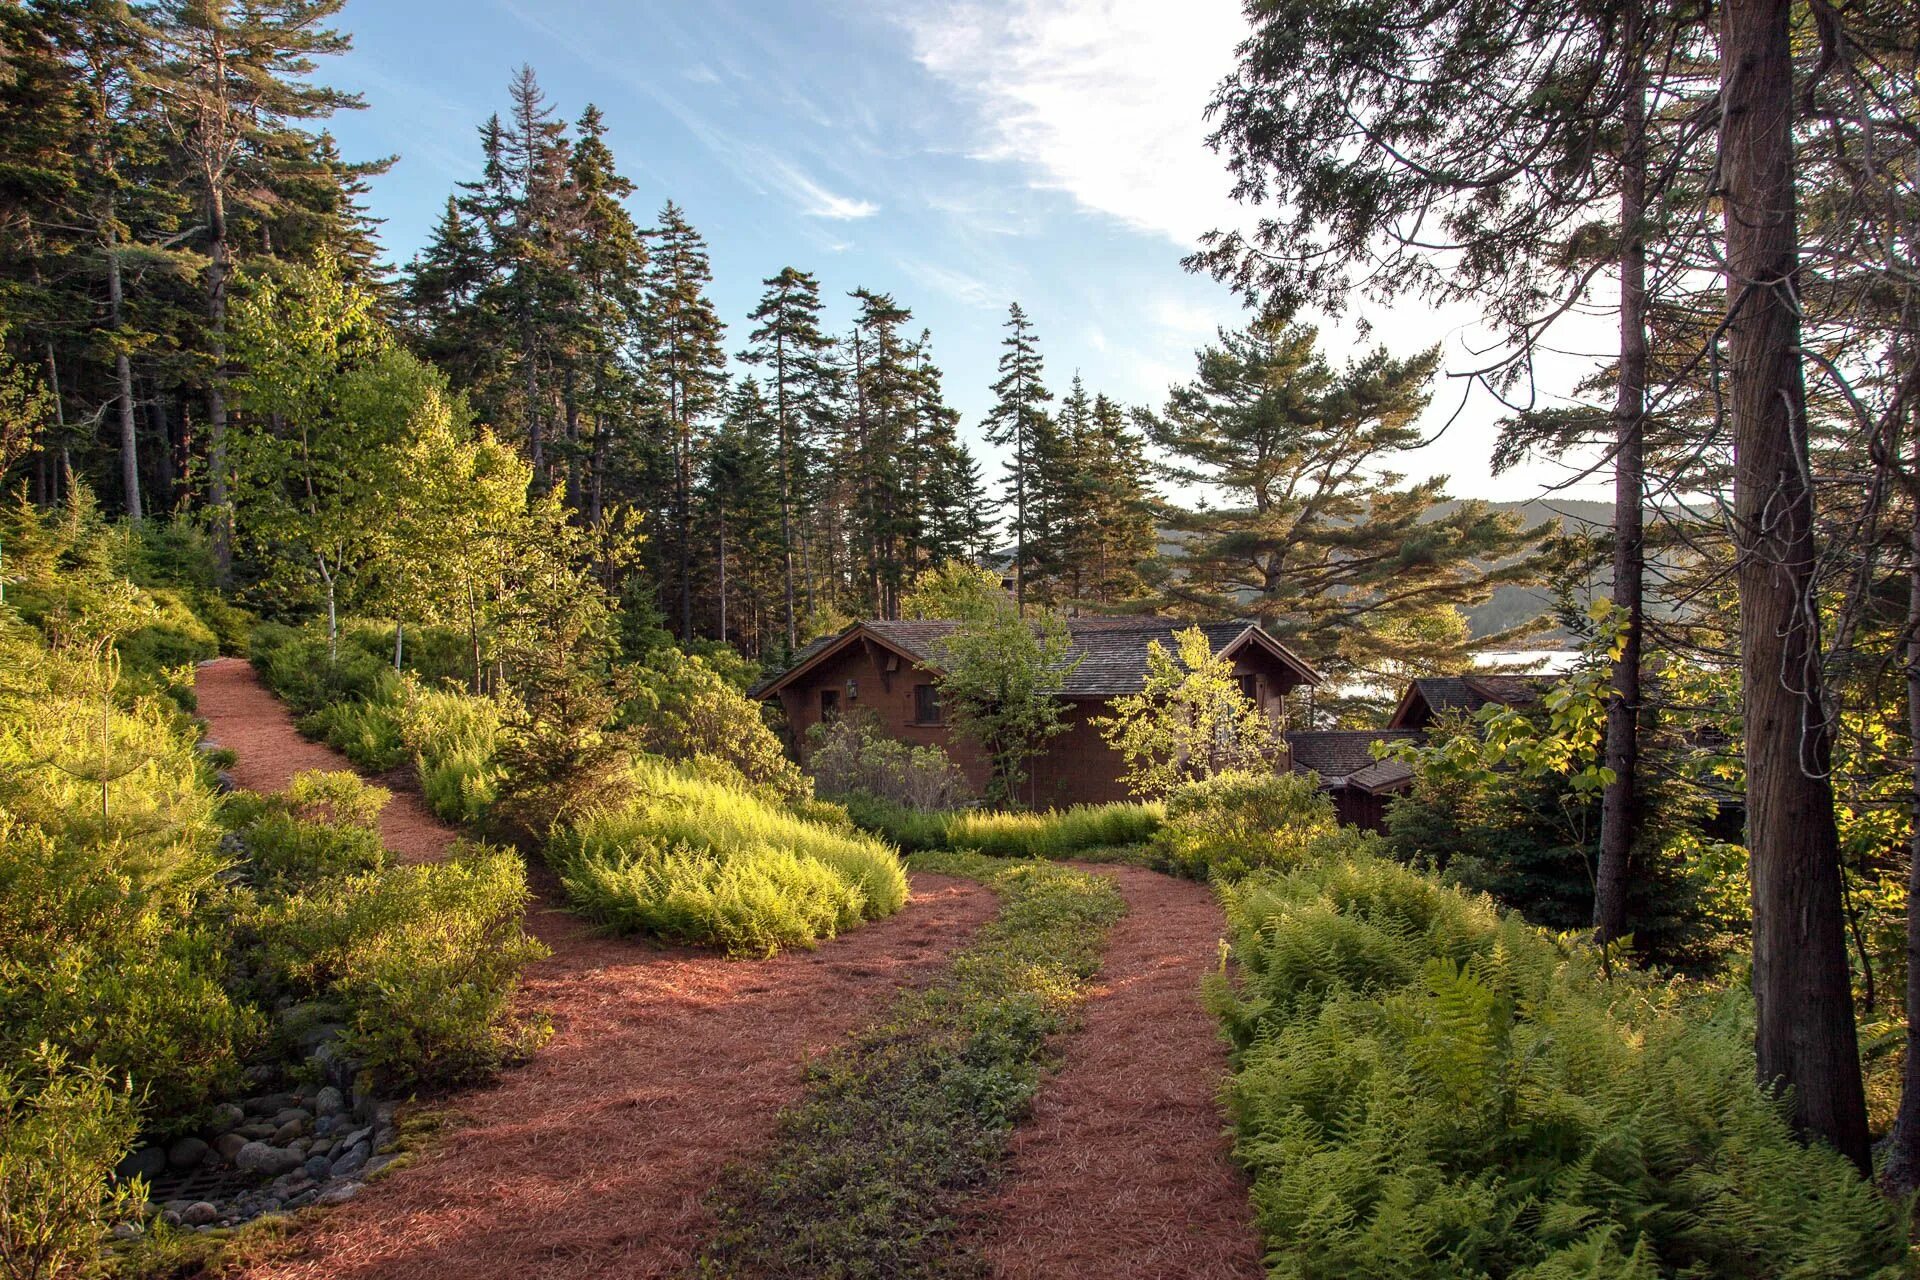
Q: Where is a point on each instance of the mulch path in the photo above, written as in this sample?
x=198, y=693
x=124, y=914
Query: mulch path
x=1122, y=1171
x=666, y=1065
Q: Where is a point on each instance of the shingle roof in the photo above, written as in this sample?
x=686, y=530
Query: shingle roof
x=1469, y=693
x=1110, y=654
x=1341, y=754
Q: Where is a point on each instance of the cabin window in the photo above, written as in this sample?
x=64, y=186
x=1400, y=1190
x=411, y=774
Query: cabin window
x=829, y=705
x=926, y=704
x=1250, y=688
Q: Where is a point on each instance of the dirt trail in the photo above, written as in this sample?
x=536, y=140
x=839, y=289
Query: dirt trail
x=1122, y=1171
x=665, y=1066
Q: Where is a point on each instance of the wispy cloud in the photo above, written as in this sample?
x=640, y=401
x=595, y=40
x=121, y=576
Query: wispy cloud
x=812, y=198
x=955, y=284
x=1101, y=99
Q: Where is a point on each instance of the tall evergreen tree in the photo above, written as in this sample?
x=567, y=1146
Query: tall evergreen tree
x=686, y=373
x=235, y=84
x=790, y=346
x=1015, y=422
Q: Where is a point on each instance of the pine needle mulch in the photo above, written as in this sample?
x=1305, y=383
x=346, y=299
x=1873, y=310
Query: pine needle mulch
x=666, y=1066
x=1123, y=1169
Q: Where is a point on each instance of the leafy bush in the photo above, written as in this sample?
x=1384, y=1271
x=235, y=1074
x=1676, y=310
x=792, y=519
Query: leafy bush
x=62, y=1130
x=1422, y=1088
x=1054, y=833
x=850, y=756
x=869, y=1170
x=324, y=826
x=684, y=708
x=1226, y=825
x=720, y=863
x=453, y=737
x=367, y=733
x=295, y=664
x=424, y=958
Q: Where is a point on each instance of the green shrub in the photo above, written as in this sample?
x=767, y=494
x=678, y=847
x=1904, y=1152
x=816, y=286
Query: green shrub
x=850, y=756
x=1055, y=833
x=325, y=825
x=453, y=737
x=682, y=842
x=367, y=733
x=684, y=707
x=425, y=960
x=295, y=664
x=1423, y=1088
x=62, y=1130
x=868, y=1173
x=1224, y=826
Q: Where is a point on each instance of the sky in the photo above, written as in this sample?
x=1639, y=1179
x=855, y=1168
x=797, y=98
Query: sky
x=958, y=154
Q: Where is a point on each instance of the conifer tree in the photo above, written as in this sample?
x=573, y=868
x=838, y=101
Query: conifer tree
x=790, y=346
x=1015, y=422
x=235, y=83
x=686, y=371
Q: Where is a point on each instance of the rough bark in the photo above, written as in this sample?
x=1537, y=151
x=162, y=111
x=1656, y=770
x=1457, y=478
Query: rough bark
x=1620, y=802
x=123, y=379
x=1805, y=1038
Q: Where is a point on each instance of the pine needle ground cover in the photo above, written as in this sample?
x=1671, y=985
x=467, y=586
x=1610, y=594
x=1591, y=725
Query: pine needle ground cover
x=1424, y=1088
x=698, y=859
x=870, y=1172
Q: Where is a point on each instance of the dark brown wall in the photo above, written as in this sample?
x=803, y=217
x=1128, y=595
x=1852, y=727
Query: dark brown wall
x=1078, y=767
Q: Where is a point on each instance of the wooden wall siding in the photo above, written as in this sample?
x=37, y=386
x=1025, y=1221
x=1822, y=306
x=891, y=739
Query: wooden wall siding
x=1078, y=767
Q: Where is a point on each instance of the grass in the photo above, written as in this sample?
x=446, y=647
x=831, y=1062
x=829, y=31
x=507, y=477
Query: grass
x=696, y=860
x=1055, y=833
x=869, y=1171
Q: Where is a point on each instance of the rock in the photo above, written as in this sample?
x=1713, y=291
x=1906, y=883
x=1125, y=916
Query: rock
x=322, y=1147
x=270, y=1104
x=287, y=1132
x=304, y=1199
x=358, y=1135
x=376, y=1164
x=258, y=1157
x=225, y=1119
x=257, y=1129
x=351, y=1162
x=303, y=1145
x=148, y=1162
x=338, y=1194
x=327, y=1124
x=228, y=1146
x=317, y=1167
x=329, y=1102
x=186, y=1153
x=224, y=782
x=199, y=1214
x=127, y=1231
x=292, y=1115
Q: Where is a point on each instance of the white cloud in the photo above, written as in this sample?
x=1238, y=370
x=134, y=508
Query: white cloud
x=1101, y=99
x=701, y=73
x=955, y=284
x=814, y=200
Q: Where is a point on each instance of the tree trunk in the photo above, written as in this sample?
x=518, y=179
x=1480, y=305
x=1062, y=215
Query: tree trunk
x=1620, y=802
x=222, y=526
x=123, y=375
x=1805, y=1038
x=786, y=487
x=721, y=563
x=1901, y=1174
x=399, y=640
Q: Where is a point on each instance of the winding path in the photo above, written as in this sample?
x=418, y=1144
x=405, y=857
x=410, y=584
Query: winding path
x=666, y=1065
x=1122, y=1172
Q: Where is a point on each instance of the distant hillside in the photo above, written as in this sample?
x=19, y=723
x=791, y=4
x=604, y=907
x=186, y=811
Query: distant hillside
x=1509, y=607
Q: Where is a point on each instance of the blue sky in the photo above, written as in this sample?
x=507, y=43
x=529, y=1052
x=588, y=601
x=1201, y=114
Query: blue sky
x=957, y=155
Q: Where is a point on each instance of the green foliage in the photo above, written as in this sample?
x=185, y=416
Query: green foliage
x=1221, y=827
x=1422, y=1087
x=62, y=1130
x=453, y=737
x=1054, y=833
x=684, y=708
x=324, y=826
x=425, y=960
x=868, y=1171
x=1190, y=720
x=850, y=756
x=999, y=674
x=707, y=859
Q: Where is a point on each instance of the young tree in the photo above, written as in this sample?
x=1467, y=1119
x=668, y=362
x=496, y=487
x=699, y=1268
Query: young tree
x=1189, y=721
x=1017, y=419
x=1000, y=679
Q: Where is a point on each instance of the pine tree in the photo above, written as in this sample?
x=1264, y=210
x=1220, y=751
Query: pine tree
x=686, y=371
x=235, y=82
x=793, y=350
x=739, y=516
x=1016, y=420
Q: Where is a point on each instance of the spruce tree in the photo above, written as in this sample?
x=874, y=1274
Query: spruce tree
x=1017, y=418
x=790, y=346
x=686, y=372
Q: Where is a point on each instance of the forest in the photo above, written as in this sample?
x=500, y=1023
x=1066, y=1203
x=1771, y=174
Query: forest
x=407, y=851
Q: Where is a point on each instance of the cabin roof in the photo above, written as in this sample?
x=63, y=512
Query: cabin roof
x=1109, y=654
x=1468, y=693
x=1344, y=757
